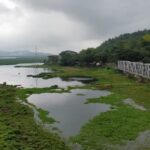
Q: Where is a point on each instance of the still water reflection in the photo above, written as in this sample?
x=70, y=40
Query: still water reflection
x=69, y=108
x=18, y=76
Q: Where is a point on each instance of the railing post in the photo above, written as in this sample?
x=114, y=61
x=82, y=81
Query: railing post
x=136, y=68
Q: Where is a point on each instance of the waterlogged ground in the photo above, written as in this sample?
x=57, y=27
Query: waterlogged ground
x=69, y=109
x=125, y=122
x=125, y=126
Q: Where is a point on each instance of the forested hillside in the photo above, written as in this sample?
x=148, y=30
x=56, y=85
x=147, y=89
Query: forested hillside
x=131, y=47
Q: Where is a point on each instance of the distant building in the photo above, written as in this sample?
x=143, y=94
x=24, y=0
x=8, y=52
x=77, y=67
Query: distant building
x=52, y=60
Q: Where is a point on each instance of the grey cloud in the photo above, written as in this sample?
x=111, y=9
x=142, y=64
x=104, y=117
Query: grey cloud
x=3, y=8
x=75, y=23
x=51, y=32
x=104, y=17
x=8, y=15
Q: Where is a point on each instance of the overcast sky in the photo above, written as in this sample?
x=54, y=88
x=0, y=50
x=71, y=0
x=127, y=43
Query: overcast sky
x=56, y=25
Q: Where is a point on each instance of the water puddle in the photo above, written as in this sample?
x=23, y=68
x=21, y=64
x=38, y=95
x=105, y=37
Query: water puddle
x=130, y=102
x=69, y=108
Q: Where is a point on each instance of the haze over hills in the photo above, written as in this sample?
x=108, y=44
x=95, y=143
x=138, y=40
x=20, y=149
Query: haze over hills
x=131, y=46
x=22, y=54
x=17, y=57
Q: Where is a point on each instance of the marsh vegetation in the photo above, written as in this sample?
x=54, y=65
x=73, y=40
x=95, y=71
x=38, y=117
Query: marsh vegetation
x=110, y=128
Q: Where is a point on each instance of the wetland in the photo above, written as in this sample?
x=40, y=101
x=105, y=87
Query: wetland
x=93, y=115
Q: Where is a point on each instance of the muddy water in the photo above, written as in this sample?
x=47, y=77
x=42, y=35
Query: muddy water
x=69, y=108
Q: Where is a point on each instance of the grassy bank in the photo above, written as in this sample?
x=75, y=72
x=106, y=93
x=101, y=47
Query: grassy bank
x=23, y=94
x=121, y=124
x=18, y=129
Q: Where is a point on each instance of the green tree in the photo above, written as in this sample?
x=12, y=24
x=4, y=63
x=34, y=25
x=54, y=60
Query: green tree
x=87, y=57
x=68, y=58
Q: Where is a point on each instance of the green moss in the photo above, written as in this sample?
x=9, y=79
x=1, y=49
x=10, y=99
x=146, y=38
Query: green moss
x=26, y=92
x=44, y=116
x=113, y=99
x=80, y=94
x=113, y=127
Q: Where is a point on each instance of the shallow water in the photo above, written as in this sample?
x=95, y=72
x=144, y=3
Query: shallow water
x=131, y=102
x=69, y=108
x=18, y=76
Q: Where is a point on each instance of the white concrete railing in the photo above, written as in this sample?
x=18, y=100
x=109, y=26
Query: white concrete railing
x=136, y=68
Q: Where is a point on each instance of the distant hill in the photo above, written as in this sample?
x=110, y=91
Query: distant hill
x=17, y=57
x=22, y=54
x=133, y=47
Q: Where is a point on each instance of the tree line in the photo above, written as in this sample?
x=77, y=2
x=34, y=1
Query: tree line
x=131, y=47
